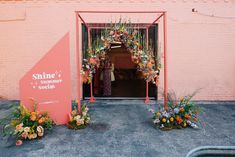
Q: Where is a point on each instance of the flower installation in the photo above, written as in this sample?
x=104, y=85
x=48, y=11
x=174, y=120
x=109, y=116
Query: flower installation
x=26, y=125
x=79, y=120
x=180, y=114
x=122, y=34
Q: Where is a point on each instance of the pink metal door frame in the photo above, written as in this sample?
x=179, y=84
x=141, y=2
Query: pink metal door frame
x=78, y=64
x=92, y=98
x=165, y=61
x=79, y=58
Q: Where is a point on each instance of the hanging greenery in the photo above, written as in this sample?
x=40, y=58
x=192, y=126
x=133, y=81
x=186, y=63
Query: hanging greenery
x=133, y=40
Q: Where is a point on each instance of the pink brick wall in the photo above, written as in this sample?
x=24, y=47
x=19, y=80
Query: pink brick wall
x=201, y=49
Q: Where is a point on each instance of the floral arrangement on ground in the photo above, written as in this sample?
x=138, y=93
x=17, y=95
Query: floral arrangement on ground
x=26, y=125
x=79, y=119
x=180, y=114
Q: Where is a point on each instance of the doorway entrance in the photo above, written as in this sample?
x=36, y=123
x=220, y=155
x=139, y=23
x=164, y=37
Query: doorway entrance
x=147, y=22
x=128, y=80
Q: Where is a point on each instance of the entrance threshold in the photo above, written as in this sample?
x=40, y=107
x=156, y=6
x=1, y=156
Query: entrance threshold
x=120, y=98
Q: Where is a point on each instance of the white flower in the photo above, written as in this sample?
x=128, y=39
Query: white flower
x=151, y=110
x=19, y=127
x=77, y=117
x=162, y=126
x=84, y=113
x=26, y=129
x=82, y=121
x=165, y=114
x=189, y=122
x=88, y=119
x=40, y=129
x=193, y=125
x=176, y=110
x=34, y=136
x=86, y=109
x=156, y=121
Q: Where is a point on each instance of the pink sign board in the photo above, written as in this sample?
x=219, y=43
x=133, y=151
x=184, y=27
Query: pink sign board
x=49, y=83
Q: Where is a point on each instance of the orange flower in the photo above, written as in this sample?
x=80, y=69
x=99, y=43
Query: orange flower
x=92, y=61
x=179, y=120
x=84, y=79
x=149, y=65
x=33, y=113
x=19, y=142
x=181, y=109
x=33, y=117
x=187, y=116
x=41, y=120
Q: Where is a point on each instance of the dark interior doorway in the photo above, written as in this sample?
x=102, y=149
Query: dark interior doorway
x=128, y=80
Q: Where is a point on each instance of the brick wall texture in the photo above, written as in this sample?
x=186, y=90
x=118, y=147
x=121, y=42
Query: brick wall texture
x=201, y=45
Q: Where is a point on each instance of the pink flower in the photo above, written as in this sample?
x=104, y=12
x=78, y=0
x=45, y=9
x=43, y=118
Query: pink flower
x=19, y=127
x=111, y=33
x=24, y=135
x=19, y=142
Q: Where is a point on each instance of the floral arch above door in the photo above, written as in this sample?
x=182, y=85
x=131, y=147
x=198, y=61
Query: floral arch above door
x=136, y=44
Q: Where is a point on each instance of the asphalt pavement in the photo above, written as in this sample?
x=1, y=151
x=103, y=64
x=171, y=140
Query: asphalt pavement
x=124, y=128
